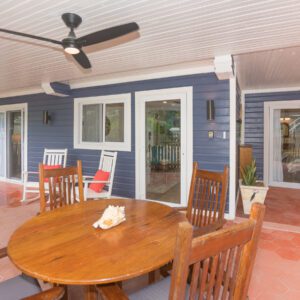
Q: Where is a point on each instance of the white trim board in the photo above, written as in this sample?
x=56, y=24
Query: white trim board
x=243, y=103
x=21, y=92
x=272, y=90
x=185, y=94
x=145, y=74
x=232, y=148
x=268, y=106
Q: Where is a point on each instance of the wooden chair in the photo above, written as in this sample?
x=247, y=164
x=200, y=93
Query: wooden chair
x=108, y=164
x=206, y=205
x=221, y=262
x=207, y=200
x=26, y=288
x=51, y=157
x=58, y=186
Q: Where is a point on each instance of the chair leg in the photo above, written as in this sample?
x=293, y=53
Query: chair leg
x=65, y=296
x=151, y=277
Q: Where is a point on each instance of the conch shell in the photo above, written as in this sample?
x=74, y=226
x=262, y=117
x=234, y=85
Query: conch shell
x=112, y=216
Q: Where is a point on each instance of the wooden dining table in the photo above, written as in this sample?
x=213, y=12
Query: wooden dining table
x=62, y=246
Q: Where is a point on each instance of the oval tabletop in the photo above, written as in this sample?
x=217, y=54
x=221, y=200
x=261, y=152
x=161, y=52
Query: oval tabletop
x=63, y=247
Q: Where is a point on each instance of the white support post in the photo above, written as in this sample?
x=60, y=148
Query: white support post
x=232, y=148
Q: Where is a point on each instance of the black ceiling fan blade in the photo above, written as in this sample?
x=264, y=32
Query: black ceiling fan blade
x=107, y=34
x=31, y=36
x=82, y=59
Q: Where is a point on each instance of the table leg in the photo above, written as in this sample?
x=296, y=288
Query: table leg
x=90, y=292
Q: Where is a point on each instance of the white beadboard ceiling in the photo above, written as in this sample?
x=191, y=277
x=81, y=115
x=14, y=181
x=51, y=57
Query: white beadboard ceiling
x=171, y=32
x=273, y=69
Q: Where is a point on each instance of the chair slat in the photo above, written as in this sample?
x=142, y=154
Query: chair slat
x=61, y=185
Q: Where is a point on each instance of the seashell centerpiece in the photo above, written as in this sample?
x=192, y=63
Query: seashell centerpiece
x=112, y=216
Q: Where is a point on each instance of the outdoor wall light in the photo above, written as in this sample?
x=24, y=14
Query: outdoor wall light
x=210, y=110
x=46, y=117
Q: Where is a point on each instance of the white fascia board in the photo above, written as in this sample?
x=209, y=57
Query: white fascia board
x=21, y=92
x=200, y=67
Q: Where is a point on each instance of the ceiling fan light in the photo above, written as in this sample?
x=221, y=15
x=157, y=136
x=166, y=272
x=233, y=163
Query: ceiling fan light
x=72, y=50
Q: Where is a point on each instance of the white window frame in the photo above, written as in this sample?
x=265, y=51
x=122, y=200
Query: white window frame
x=117, y=146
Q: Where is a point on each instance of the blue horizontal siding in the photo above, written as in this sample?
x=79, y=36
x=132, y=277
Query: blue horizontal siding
x=254, y=122
x=211, y=154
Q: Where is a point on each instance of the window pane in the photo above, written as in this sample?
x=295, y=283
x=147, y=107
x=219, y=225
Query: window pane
x=114, y=122
x=92, y=123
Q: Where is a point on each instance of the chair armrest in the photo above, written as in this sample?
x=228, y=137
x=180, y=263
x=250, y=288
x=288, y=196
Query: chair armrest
x=3, y=252
x=198, y=231
x=111, y=291
x=55, y=293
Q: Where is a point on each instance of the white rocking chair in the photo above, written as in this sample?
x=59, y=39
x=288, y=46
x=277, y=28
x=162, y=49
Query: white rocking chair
x=51, y=157
x=107, y=164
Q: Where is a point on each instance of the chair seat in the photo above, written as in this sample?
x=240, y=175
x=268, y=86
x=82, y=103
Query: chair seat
x=91, y=194
x=158, y=291
x=18, y=288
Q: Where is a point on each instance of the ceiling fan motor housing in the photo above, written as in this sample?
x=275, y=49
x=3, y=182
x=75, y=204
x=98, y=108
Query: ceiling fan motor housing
x=71, y=20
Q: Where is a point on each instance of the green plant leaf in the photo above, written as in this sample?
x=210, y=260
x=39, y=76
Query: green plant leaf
x=249, y=174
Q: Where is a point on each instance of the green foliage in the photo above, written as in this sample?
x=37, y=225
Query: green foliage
x=249, y=174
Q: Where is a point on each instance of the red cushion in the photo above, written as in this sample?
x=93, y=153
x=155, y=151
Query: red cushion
x=99, y=176
x=48, y=167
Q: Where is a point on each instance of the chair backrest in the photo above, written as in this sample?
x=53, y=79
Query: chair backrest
x=207, y=197
x=58, y=185
x=55, y=157
x=108, y=164
x=220, y=262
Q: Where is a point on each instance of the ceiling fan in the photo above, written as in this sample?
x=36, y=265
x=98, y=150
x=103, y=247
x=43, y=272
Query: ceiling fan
x=73, y=45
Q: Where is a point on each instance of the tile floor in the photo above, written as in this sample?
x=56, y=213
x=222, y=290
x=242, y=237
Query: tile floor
x=276, y=272
x=283, y=206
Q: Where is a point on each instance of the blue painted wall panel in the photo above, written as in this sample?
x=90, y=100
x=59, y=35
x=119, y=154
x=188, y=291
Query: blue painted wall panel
x=254, y=122
x=211, y=154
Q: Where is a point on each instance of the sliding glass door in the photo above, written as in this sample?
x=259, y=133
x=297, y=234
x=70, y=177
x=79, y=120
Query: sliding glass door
x=12, y=141
x=284, y=164
x=14, y=144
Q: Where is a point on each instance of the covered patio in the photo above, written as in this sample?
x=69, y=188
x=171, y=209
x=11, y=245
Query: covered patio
x=277, y=263
x=130, y=131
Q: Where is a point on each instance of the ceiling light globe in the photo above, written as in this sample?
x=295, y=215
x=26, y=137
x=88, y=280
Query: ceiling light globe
x=72, y=50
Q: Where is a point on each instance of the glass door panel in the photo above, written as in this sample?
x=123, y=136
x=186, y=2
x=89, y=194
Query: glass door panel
x=163, y=154
x=285, y=163
x=14, y=144
x=2, y=144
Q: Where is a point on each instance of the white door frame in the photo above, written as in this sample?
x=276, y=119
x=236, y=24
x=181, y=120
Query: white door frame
x=269, y=107
x=24, y=109
x=185, y=94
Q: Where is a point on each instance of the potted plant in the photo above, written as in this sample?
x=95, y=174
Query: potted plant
x=252, y=190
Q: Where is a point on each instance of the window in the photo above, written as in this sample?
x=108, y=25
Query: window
x=103, y=122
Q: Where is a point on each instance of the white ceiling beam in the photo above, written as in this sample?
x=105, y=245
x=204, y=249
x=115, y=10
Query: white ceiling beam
x=223, y=66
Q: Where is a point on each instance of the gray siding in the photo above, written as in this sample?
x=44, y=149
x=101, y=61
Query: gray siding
x=211, y=154
x=254, y=122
